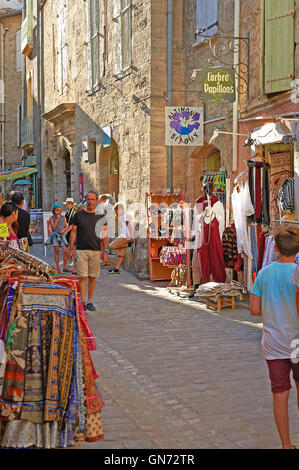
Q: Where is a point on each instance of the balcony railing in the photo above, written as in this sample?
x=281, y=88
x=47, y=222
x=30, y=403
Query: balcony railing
x=27, y=36
x=27, y=133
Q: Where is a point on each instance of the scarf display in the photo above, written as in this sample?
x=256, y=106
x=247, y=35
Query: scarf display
x=48, y=391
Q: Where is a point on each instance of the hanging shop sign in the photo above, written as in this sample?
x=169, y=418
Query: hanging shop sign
x=30, y=160
x=218, y=85
x=183, y=126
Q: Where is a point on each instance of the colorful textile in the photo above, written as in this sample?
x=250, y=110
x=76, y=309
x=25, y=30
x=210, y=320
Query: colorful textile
x=280, y=170
x=229, y=245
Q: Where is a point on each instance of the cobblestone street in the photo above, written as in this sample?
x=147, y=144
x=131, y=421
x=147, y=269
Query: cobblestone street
x=177, y=376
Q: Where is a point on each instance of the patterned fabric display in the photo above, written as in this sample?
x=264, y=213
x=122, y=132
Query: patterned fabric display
x=49, y=395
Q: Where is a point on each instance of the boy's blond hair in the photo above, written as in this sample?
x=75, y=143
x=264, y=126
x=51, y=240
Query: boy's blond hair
x=287, y=239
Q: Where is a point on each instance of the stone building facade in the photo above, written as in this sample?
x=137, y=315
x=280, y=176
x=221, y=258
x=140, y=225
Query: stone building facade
x=95, y=80
x=10, y=87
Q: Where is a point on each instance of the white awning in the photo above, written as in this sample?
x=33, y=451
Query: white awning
x=267, y=134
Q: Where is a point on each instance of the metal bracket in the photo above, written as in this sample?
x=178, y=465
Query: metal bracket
x=222, y=50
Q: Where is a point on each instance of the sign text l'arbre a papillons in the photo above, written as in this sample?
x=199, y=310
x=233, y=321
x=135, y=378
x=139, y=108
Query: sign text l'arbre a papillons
x=218, y=85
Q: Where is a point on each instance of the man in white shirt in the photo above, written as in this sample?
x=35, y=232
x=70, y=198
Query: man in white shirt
x=125, y=236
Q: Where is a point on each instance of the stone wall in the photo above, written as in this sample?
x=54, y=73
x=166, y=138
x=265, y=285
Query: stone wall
x=12, y=92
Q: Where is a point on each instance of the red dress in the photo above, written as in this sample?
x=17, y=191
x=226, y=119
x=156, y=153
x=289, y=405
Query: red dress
x=211, y=252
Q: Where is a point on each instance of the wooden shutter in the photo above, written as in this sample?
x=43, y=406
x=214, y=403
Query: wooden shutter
x=279, y=45
x=117, y=37
x=95, y=41
x=207, y=15
x=88, y=48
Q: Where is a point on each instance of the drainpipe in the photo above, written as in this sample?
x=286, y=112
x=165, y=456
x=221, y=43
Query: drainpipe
x=2, y=97
x=236, y=103
x=23, y=84
x=169, y=87
x=38, y=156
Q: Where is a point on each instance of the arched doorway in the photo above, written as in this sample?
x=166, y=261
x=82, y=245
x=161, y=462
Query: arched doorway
x=109, y=170
x=49, y=186
x=206, y=159
x=213, y=162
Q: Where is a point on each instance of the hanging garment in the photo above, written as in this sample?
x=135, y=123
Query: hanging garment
x=251, y=183
x=229, y=246
x=258, y=194
x=286, y=195
x=211, y=254
x=280, y=170
x=265, y=194
x=261, y=240
x=254, y=248
x=242, y=208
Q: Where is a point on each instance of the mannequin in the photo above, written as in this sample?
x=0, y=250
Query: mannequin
x=208, y=227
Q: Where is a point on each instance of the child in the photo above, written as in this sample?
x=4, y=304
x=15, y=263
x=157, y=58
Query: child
x=274, y=297
x=57, y=238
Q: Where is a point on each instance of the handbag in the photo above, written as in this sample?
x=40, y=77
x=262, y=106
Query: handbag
x=30, y=241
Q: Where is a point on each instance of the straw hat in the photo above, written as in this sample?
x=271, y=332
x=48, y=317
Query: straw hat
x=70, y=200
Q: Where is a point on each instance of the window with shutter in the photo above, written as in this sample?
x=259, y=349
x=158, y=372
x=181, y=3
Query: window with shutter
x=62, y=49
x=122, y=18
x=93, y=44
x=207, y=17
x=279, y=45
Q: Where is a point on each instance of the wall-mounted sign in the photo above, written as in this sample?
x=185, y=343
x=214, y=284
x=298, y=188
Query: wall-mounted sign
x=218, y=85
x=183, y=126
x=107, y=135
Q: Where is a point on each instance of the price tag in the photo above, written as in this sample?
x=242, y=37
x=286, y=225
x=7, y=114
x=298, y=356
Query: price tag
x=4, y=232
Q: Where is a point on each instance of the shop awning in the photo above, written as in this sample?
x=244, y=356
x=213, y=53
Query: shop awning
x=17, y=173
x=267, y=134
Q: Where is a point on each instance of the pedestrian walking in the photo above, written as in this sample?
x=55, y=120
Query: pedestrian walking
x=125, y=236
x=102, y=208
x=57, y=238
x=69, y=215
x=24, y=237
x=274, y=298
x=88, y=250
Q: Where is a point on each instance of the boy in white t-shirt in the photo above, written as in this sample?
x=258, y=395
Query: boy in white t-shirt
x=274, y=297
x=125, y=236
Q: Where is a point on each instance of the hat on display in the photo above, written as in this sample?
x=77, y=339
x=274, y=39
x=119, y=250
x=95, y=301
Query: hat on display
x=70, y=200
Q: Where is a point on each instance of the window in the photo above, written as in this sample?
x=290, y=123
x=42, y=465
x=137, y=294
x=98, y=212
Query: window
x=62, y=49
x=92, y=151
x=279, y=46
x=122, y=19
x=93, y=44
x=206, y=17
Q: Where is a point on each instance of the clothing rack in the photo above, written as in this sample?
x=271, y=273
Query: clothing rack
x=291, y=222
x=29, y=261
